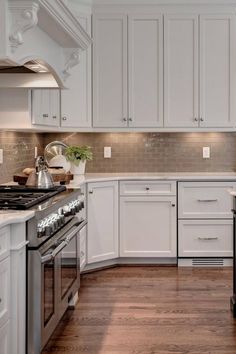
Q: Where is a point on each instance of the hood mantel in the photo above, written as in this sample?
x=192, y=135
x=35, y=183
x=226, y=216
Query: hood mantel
x=45, y=31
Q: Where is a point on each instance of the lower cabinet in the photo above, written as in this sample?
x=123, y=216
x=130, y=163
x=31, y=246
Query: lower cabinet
x=83, y=248
x=102, y=204
x=205, y=238
x=148, y=226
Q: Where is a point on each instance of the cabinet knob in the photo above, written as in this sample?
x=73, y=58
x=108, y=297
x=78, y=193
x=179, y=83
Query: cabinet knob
x=124, y=119
x=195, y=119
x=45, y=115
x=130, y=119
x=64, y=118
x=201, y=119
x=173, y=205
x=54, y=117
x=147, y=189
x=90, y=192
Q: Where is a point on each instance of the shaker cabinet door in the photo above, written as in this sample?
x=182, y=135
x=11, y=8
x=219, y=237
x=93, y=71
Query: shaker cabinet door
x=110, y=71
x=145, y=70
x=217, y=71
x=181, y=71
x=102, y=231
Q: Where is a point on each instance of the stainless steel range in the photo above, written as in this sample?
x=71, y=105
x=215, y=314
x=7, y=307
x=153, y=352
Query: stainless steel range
x=52, y=254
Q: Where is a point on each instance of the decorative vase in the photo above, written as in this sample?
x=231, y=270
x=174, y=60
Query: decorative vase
x=78, y=170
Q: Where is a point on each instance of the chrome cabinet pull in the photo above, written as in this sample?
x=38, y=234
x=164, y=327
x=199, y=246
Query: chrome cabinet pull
x=54, y=117
x=201, y=119
x=173, y=205
x=124, y=119
x=195, y=119
x=147, y=188
x=64, y=118
x=45, y=115
x=91, y=192
x=207, y=200
x=130, y=119
x=207, y=238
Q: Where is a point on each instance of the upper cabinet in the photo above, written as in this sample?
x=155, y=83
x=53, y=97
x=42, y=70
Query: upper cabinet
x=46, y=107
x=128, y=71
x=76, y=102
x=199, y=77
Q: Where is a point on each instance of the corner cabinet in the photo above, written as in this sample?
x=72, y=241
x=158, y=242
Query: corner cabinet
x=102, y=230
x=128, y=70
x=200, y=71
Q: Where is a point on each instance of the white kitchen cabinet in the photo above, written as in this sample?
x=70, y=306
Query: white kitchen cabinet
x=148, y=227
x=147, y=188
x=217, y=71
x=205, y=200
x=128, y=70
x=76, y=102
x=181, y=70
x=110, y=70
x=102, y=230
x=199, y=57
x=205, y=238
x=4, y=291
x=46, y=107
x=145, y=70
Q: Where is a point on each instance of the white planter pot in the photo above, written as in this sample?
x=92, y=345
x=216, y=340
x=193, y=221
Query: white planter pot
x=78, y=170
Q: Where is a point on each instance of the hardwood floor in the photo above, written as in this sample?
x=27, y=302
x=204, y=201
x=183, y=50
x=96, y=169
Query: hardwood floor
x=150, y=310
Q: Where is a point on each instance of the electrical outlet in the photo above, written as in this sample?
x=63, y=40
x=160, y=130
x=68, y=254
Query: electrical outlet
x=1, y=155
x=35, y=152
x=107, y=152
x=206, y=152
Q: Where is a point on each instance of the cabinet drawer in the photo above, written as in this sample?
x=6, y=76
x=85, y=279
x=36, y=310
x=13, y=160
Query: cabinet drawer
x=4, y=290
x=205, y=200
x=4, y=242
x=82, y=248
x=205, y=238
x=147, y=187
x=5, y=339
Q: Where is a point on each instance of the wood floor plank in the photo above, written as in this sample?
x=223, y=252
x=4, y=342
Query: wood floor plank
x=150, y=310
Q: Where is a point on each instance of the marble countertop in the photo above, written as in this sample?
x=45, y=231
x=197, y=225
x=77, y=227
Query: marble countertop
x=175, y=176
x=12, y=216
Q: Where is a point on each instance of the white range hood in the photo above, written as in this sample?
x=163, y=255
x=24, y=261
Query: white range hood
x=40, y=41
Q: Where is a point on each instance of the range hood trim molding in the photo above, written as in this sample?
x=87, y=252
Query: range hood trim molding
x=59, y=25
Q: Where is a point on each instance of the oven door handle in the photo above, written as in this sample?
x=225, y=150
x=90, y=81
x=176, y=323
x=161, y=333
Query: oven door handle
x=76, y=228
x=48, y=257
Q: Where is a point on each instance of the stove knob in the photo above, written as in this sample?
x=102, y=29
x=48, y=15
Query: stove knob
x=78, y=207
x=82, y=204
x=73, y=211
x=62, y=219
x=48, y=230
x=41, y=231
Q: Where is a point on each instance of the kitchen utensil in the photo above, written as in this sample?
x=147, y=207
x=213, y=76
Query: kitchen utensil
x=40, y=177
x=53, y=149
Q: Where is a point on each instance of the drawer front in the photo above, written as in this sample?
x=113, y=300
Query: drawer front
x=205, y=200
x=147, y=187
x=205, y=238
x=83, y=248
x=4, y=242
x=4, y=290
x=5, y=339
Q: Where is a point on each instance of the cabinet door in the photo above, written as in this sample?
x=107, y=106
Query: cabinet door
x=45, y=107
x=145, y=53
x=217, y=70
x=148, y=227
x=110, y=71
x=181, y=71
x=76, y=100
x=102, y=221
x=4, y=290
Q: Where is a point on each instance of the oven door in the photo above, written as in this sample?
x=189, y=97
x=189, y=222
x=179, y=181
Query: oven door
x=53, y=279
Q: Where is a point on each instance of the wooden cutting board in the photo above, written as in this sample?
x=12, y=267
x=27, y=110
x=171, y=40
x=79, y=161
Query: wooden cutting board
x=21, y=178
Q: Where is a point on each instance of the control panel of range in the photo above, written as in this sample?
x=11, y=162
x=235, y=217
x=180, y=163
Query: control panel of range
x=53, y=222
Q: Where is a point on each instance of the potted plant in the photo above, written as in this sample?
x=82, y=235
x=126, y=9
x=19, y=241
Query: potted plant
x=78, y=155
